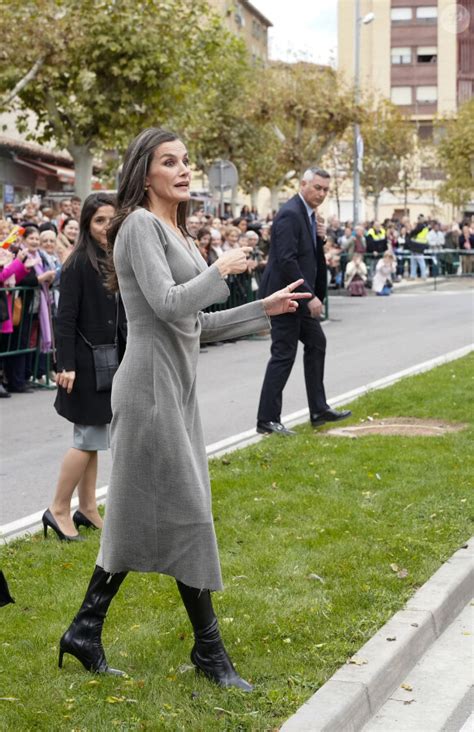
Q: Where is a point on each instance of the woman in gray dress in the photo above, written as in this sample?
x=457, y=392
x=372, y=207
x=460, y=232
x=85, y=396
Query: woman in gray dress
x=159, y=516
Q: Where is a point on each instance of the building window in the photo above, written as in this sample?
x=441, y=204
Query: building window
x=401, y=55
x=239, y=16
x=401, y=95
x=426, y=54
x=426, y=94
x=427, y=12
x=425, y=131
x=400, y=14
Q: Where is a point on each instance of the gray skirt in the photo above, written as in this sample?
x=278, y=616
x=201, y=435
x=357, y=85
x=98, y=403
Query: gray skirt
x=91, y=437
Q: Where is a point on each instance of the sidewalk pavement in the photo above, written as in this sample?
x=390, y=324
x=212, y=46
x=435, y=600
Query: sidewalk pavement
x=415, y=674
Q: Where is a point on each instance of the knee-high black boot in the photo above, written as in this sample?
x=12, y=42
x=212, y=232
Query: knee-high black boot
x=208, y=653
x=83, y=637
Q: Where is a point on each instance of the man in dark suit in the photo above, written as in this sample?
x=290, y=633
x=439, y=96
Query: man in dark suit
x=296, y=252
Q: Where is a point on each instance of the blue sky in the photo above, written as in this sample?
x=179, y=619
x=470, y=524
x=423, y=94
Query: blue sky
x=301, y=29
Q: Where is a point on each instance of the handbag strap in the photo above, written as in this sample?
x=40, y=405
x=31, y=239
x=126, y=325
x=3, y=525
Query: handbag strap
x=116, y=325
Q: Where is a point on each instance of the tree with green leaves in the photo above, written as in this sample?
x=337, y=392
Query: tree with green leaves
x=288, y=117
x=456, y=156
x=96, y=72
x=308, y=107
x=388, y=144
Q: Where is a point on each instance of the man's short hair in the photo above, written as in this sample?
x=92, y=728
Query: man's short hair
x=74, y=199
x=310, y=173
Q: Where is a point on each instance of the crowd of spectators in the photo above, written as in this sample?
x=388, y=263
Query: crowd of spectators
x=394, y=250
x=367, y=256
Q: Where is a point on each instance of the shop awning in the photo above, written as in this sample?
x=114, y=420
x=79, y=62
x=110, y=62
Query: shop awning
x=64, y=175
x=33, y=165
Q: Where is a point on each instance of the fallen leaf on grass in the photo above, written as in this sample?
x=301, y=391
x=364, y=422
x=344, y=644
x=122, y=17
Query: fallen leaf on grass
x=319, y=645
x=377, y=475
x=120, y=700
x=9, y=698
x=314, y=576
x=402, y=573
x=92, y=683
x=407, y=687
x=357, y=661
x=394, y=567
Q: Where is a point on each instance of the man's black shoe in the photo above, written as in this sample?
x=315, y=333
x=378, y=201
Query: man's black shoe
x=273, y=427
x=330, y=415
x=4, y=394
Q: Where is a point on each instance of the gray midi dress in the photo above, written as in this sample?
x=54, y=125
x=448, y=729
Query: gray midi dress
x=159, y=514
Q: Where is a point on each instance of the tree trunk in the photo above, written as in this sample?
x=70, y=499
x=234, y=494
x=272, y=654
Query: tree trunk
x=274, y=197
x=83, y=161
x=376, y=207
x=254, y=197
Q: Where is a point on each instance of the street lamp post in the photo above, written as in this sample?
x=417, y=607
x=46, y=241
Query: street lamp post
x=357, y=138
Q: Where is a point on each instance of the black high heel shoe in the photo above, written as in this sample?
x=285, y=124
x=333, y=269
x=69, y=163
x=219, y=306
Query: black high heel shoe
x=49, y=520
x=81, y=520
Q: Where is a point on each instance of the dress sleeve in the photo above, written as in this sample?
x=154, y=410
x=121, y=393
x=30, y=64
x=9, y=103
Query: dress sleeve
x=233, y=323
x=146, y=244
x=16, y=268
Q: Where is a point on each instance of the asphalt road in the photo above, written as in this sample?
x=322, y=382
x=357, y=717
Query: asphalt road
x=368, y=339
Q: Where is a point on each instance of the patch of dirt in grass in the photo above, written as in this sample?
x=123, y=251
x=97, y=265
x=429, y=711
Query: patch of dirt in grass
x=405, y=426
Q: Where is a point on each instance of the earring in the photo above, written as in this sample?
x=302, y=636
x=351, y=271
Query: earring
x=146, y=188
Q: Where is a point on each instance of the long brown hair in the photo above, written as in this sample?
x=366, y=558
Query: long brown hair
x=86, y=242
x=131, y=192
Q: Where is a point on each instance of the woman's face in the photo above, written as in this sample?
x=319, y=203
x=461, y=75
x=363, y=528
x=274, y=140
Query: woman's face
x=71, y=231
x=169, y=175
x=48, y=241
x=205, y=240
x=100, y=222
x=232, y=238
x=4, y=230
x=32, y=242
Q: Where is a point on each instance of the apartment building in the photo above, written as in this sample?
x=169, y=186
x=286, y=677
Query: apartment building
x=419, y=54
x=246, y=21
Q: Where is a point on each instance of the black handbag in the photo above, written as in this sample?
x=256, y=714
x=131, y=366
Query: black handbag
x=105, y=358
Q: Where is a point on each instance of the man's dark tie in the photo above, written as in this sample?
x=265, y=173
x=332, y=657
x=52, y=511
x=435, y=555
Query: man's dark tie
x=313, y=227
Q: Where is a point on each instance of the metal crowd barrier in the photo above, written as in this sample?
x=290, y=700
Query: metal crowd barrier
x=25, y=338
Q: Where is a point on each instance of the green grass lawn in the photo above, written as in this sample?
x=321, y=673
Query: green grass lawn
x=308, y=530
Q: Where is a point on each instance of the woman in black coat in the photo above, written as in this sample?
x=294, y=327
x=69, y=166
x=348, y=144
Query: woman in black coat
x=86, y=312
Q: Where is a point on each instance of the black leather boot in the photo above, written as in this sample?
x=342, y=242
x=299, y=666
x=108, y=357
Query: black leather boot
x=83, y=637
x=5, y=597
x=208, y=653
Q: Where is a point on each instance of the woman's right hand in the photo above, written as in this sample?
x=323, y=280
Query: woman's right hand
x=66, y=380
x=47, y=277
x=234, y=261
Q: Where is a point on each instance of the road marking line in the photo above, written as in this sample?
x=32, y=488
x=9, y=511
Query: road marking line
x=33, y=522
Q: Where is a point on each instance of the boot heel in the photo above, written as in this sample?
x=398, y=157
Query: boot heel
x=60, y=661
x=45, y=529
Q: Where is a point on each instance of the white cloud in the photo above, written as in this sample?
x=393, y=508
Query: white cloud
x=301, y=30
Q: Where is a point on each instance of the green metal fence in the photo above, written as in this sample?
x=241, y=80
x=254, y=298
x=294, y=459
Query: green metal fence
x=25, y=338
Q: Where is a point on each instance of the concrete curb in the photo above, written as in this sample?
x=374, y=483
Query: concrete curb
x=354, y=693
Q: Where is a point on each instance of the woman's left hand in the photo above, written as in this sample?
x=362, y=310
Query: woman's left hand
x=285, y=301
